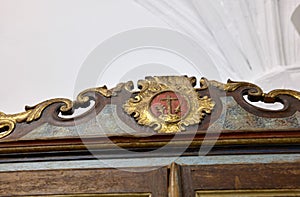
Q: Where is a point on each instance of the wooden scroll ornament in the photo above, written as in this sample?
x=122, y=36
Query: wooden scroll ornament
x=168, y=104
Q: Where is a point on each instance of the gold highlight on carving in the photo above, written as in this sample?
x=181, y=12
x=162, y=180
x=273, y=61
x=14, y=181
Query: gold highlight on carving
x=168, y=104
x=8, y=121
x=254, y=91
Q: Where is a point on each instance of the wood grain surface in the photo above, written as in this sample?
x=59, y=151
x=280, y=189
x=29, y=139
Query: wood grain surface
x=85, y=181
x=240, y=177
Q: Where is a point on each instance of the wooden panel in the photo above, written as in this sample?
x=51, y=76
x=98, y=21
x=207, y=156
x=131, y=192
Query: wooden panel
x=84, y=181
x=100, y=195
x=240, y=177
x=249, y=193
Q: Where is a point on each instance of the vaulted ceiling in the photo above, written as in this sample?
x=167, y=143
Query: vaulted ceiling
x=44, y=44
x=248, y=39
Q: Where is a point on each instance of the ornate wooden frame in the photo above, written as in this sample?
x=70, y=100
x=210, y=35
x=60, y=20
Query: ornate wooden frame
x=13, y=127
x=41, y=134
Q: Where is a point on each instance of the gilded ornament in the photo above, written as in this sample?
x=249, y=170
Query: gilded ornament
x=255, y=91
x=168, y=103
x=8, y=121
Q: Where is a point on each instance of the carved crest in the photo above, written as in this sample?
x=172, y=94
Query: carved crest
x=168, y=103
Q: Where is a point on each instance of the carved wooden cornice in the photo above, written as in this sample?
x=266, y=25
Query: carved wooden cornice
x=199, y=102
x=166, y=111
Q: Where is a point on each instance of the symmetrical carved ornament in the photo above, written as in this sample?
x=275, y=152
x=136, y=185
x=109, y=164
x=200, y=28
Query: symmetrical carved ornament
x=166, y=104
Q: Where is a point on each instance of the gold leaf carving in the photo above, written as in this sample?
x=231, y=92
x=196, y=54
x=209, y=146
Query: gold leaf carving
x=255, y=91
x=275, y=93
x=166, y=119
x=8, y=121
x=230, y=86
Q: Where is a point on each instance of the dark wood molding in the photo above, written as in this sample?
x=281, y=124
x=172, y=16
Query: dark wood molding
x=13, y=148
x=240, y=177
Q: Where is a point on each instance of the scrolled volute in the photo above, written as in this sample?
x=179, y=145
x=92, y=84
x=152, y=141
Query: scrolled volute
x=32, y=113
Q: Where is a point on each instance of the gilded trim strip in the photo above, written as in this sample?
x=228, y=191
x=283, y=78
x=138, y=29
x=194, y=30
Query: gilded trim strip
x=42, y=148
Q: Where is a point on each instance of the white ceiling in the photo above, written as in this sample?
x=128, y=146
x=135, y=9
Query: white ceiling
x=45, y=45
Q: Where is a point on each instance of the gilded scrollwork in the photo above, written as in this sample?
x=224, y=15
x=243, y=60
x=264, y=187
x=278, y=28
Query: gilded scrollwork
x=8, y=121
x=275, y=93
x=231, y=86
x=254, y=90
x=168, y=104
